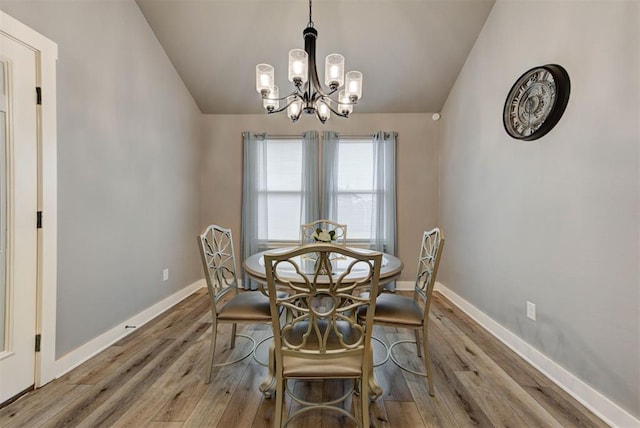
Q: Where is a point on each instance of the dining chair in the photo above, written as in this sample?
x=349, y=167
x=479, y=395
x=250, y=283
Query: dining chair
x=320, y=336
x=310, y=232
x=228, y=305
x=413, y=312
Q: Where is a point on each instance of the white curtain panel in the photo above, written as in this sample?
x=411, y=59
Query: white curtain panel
x=254, y=208
x=310, y=201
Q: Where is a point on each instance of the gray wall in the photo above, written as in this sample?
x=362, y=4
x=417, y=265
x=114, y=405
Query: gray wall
x=553, y=221
x=417, y=166
x=128, y=165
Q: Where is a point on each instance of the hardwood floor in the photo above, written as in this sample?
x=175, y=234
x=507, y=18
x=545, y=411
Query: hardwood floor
x=154, y=378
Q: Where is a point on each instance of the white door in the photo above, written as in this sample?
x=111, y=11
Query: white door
x=18, y=216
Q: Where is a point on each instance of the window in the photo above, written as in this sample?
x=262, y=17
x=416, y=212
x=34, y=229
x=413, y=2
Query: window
x=355, y=189
x=358, y=178
x=281, y=188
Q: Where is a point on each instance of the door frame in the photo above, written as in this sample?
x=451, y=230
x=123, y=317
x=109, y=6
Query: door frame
x=46, y=56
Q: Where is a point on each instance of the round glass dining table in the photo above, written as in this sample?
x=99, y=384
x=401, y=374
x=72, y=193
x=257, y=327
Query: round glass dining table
x=254, y=267
x=389, y=271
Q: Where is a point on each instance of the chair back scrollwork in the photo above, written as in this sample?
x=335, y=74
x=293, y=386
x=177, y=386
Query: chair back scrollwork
x=428, y=262
x=216, y=250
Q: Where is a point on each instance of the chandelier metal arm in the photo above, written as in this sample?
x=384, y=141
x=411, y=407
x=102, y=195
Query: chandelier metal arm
x=295, y=96
x=328, y=104
x=317, y=95
x=298, y=95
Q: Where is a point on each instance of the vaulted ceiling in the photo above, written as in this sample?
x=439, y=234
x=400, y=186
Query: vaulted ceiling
x=410, y=51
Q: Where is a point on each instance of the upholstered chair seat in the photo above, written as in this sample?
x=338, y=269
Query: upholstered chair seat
x=247, y=306
x=398, y=310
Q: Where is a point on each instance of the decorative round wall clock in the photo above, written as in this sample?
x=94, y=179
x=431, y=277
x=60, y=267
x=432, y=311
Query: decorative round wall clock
x=536, y=102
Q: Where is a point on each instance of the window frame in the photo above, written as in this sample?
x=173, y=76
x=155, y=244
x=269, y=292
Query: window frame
x=351, y=139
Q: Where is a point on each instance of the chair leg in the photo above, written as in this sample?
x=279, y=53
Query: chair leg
x=427, y=361
x=233, y=336
x=277, y=412
x=418, y=348
x=364, y=401
x=214, y=334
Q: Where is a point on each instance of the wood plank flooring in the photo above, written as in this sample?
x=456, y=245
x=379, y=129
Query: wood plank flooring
x=154, y=378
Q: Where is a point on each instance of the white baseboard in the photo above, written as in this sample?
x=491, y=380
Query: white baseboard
x=100, y=343
x=603, y=407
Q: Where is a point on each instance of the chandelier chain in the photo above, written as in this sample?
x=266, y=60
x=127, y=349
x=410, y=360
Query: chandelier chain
x=310, y=24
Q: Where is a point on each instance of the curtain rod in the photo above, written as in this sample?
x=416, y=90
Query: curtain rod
x=278, y=137
x=294, y=137
x=355, y=137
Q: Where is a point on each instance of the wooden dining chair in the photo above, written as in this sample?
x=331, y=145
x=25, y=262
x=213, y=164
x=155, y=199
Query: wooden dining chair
x=309, y=232
x=228, y=305
x=413, y=312
x=321, y=338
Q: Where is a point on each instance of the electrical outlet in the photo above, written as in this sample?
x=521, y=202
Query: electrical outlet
x=531, y=310
x=165, y=274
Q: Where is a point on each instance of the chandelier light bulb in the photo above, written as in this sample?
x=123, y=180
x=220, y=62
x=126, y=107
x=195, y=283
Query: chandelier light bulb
x=264, y=79
x=344, y=104
x=271, y=102
x=354, y=85
x=334, y=71
x=298, y=66
x=295, y=107
x=323, y=111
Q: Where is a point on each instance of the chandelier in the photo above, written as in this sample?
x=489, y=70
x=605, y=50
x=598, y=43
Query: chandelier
x=309, y=96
